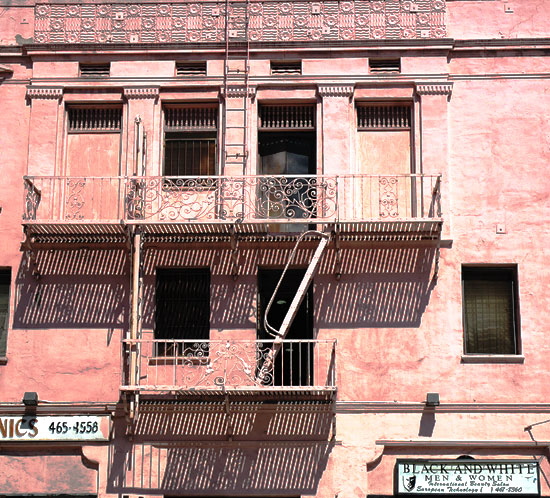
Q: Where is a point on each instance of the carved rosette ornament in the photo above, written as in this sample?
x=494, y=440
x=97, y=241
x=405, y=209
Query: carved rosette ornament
x=268, y=21
x=141, y=93
x=436, y=88
x=44, y=93
x=335, y=90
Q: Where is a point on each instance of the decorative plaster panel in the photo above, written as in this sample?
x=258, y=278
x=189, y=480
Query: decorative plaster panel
x=239, y=91
x=141, y=93
x=47, y=93
x=442, y=88
x=269, y=21
x=335, y=90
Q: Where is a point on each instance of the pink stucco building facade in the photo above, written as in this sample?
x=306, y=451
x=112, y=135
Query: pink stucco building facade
x=269, y=248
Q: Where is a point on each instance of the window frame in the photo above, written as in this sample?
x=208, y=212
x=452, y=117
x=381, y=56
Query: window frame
x=184, y=349
x=195, y=133
x=500, y=273
x=4, y=327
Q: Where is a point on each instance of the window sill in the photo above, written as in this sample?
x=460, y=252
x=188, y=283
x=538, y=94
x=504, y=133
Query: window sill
x=493, y=358
x=3, y=360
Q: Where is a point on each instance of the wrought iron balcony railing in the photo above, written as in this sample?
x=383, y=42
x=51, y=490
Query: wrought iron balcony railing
x=223, y=199
x=155, y=365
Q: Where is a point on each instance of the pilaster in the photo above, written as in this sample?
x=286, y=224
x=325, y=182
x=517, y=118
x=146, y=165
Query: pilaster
x=143, y=153
x=336, y=107
x=45, y=128
x=434, y=125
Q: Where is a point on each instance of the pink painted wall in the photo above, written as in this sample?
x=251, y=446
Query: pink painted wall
x=399, y=332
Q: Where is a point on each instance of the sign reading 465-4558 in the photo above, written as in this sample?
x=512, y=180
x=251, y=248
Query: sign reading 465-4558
x=56, y=428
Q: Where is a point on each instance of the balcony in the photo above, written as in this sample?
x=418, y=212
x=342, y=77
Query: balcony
x=245, y=204
x=301, y=368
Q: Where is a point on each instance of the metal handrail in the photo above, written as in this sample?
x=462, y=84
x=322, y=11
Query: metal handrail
x=218, y=198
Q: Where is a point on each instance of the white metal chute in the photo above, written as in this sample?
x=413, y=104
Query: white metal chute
x=281, y=334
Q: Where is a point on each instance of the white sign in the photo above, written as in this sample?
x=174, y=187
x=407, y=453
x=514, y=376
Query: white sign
x=57, y=428
x=482, y=477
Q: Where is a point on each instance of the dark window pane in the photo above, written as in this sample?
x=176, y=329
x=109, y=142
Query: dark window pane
x=5, y=279
x=182, y=304
x=489, y=310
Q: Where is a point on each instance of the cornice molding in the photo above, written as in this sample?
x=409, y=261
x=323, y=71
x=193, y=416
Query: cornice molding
x=147, y=92
x=342, y=90
x=239, y=91
x=419, y=443
x=45, y=93
x=396, y=407
x=435, y=88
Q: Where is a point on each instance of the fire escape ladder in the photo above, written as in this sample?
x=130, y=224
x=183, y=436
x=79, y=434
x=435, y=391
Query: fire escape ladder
x=235, y=88
x=280, y=334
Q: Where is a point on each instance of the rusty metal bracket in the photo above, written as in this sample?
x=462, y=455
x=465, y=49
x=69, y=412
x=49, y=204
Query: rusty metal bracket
x=338, y=253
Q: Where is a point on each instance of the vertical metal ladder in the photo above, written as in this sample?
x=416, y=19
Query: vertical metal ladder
x=235, y=88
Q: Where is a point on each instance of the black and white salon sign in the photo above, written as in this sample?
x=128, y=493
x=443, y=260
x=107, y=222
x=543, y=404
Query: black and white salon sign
x=481, y=477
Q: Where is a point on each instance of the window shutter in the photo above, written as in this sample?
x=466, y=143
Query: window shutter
x=379, y=117
x=278, y=117
x=190, y=118
x=92, y=119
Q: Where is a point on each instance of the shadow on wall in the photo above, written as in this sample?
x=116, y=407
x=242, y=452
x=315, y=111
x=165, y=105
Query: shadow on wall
x=246, y=421
x=89, y=288
x=232, y=302
x=218, y=470
x=379, y=287
x=81, y=288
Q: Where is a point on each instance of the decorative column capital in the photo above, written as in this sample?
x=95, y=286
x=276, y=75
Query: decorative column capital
x=141, y=92
x=341, y=90
x=239, y=91
x=45, y=93
x=435, y=88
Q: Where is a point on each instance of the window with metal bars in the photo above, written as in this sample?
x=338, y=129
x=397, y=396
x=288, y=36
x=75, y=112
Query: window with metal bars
x=182, y=311
x=385, y=65
x=490, y=310
x=191, y=68
x=5, y=280
x=286, y=67
x=94, y=119
x=102, y=70
x=190, y=139
x=378, y=117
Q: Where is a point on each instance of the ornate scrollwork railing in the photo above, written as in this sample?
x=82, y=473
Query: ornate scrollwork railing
x=210, y=365
x=231, y=198
x=32, y=200
x=221, y=199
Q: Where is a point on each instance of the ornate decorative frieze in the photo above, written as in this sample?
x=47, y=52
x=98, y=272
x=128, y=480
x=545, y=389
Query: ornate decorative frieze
x=335, y=90
x=45, y=93
x=239, y=91
x=441, y=88
x=141, y=92
x=268, y=21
